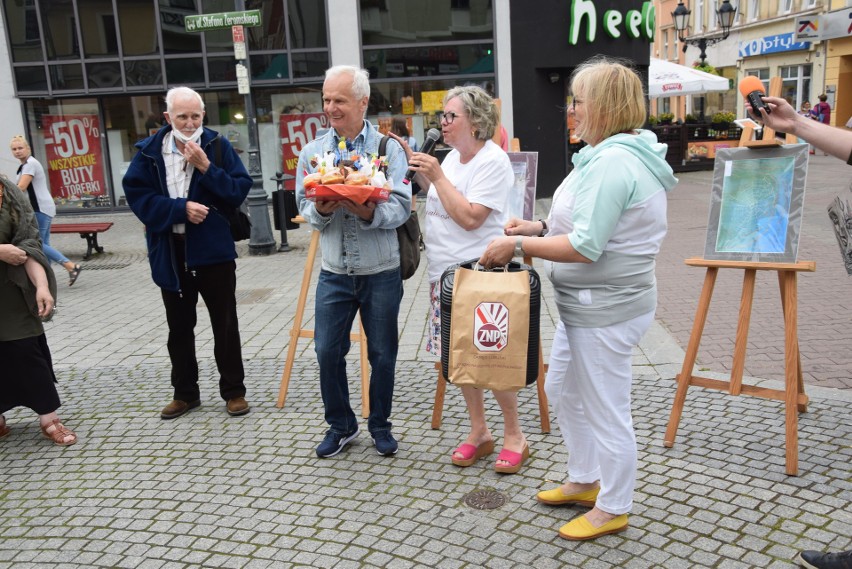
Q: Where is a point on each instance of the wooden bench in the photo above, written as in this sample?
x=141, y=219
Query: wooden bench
x=88, y=231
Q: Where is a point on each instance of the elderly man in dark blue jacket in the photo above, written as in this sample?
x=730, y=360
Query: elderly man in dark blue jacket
x=181, y=186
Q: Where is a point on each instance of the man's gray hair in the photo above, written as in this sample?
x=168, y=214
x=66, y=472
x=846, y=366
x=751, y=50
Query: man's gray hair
x=176, y=93
x=360, y=78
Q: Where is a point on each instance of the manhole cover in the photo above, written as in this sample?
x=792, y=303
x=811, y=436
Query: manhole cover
x=485, y=499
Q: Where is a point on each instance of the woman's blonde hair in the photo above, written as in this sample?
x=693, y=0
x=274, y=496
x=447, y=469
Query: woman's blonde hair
x=19, y=137
x=479, y=107
x=613, y=98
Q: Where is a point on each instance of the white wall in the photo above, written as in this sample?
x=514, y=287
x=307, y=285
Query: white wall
x=344, y=32
x=10, y=110
x=503, y=59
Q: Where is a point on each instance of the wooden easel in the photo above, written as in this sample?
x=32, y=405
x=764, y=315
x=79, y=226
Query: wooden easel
x=298, y=332
x=793, y=394
x=441, y=389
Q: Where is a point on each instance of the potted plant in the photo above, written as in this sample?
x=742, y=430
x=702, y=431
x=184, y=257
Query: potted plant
x=666, y=118
x=723, y=119
x=690, y=119
x=652, y=120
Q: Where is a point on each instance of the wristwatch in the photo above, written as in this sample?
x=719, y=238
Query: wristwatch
x=519, y=247
x=544, y=228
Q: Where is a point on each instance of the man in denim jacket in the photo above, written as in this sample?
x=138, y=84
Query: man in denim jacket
x=360, y=266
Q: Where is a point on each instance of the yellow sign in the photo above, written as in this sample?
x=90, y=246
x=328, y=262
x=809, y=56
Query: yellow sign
x=408, y=105
x=432, y=101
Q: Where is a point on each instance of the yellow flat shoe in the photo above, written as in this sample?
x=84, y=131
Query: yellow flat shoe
x=556, y=497
x=580, y=529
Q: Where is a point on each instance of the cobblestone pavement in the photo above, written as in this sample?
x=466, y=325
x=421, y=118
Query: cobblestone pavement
x=207, y=490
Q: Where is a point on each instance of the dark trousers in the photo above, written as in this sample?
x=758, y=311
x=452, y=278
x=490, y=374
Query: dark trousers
x=217, y=285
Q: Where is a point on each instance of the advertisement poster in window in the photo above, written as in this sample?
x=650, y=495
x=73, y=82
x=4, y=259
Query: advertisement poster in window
x=296, y=130
x=75, y=160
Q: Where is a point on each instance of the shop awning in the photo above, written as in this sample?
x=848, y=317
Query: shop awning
x=667, y=79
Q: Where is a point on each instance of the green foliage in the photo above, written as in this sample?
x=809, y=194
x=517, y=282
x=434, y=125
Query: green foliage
x=723, y=117
x=666, y=117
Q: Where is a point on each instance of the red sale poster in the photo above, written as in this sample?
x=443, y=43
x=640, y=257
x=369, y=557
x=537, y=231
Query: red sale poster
x=295, y=131
x=74, y=157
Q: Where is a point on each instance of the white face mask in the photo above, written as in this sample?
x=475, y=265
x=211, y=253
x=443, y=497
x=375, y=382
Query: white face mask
x=184, y=138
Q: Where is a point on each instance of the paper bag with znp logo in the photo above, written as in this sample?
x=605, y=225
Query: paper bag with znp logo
x=490, y=329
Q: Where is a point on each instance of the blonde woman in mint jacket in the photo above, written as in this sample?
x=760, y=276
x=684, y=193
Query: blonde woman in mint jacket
x=605, y=227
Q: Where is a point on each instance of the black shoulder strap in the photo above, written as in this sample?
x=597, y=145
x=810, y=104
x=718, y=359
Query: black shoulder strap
x=383, y=145
x=217, y=150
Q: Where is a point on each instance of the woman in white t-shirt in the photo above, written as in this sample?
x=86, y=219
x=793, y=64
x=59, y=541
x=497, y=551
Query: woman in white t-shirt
x=466, y=207
x=33, y=182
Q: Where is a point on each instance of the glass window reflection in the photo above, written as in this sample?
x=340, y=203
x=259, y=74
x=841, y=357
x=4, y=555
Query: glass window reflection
x=60, y=30
x=97, y=24
x=137, y=22
x=22, y=26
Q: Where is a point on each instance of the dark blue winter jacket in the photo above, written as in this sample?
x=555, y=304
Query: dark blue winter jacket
x=222, y=188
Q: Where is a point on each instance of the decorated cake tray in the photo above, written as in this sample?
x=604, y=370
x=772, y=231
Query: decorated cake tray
x=358, y=194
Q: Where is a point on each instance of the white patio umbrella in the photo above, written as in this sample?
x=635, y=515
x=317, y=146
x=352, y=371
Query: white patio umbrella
x=667, y=79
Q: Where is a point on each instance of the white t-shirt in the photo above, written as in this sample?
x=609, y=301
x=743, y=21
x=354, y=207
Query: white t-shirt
x=486, y=180
x=39, y=186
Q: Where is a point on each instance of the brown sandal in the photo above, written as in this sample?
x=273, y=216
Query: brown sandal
x=59, y=433
x=4, y=430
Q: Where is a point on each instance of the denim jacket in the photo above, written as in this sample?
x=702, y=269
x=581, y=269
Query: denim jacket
x=349, y=244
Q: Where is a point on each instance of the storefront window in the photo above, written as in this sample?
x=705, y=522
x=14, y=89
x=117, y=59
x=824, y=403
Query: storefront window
x=66, y=77
x=60, y=29
x=175, y=37
x=185, y=71
x=403, y=21
x=22, y=25
x=30, y=79
x=97, y=22
x=307, y=24
x=221, y=69
x=137, y=22
x=104, y=75
x=65, y=136
x=430, y=60
x=143, y=73
x=796, y=84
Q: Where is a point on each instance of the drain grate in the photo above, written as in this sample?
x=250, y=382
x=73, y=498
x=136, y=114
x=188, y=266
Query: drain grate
x=485, y=499
x=104, y=266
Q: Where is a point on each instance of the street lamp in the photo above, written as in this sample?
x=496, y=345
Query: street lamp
x=725, y=15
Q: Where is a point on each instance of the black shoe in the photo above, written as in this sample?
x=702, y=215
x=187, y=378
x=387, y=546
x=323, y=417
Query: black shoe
x=333, y=443
x=819, y=560
x=386, y=445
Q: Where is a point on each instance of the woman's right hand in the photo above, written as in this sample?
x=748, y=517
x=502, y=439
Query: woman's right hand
x=518, y=226
x=12, y=255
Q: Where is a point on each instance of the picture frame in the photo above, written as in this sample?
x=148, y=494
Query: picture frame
x=522, y=197
x=756, y=204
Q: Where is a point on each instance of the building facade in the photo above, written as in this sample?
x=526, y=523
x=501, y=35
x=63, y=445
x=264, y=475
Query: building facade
x=88, y=76
x=765, y=42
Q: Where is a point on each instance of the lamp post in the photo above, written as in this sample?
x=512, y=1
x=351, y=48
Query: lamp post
x=725, y=15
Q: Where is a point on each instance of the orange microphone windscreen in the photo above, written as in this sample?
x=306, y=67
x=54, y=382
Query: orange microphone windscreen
x=751, y=84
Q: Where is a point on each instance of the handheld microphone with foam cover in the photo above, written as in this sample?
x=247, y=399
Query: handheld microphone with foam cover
x=432, y=138
x=752, y=89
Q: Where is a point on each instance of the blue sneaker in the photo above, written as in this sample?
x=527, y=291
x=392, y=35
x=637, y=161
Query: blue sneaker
x=333, y=443
x=386, y=445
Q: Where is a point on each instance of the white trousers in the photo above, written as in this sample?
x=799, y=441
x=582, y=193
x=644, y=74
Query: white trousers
x=588, y=383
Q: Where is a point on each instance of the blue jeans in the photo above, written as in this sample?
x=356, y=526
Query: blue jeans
x=44, y=222
x=338, y=299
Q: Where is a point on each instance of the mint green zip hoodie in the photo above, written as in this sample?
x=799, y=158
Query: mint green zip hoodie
x=612, y=207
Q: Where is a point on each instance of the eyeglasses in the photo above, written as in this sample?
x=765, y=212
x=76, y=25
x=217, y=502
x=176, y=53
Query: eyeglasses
x=449, y=117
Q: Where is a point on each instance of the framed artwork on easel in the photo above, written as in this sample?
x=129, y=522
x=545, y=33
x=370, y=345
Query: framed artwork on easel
x=756, y=204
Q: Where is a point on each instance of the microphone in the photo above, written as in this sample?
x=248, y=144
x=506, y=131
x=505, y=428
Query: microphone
x=432, y=138
x=752, y=89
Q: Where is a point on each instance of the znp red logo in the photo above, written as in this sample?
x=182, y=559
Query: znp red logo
x=491, y=326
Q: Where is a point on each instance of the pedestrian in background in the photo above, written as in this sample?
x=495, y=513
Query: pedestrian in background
x=599, y=243
x=467, y=206
x=182, y=187
x=360, y=266
x=400, y=128
x=32, y=180
x=27, y=297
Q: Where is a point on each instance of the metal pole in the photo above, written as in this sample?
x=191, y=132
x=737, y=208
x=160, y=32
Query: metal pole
x=261, y=242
